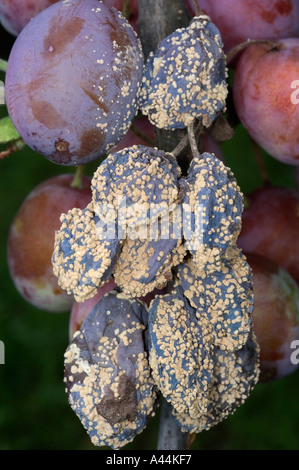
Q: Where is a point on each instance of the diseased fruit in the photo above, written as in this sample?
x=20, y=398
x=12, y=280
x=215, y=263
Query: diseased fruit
x=185, y=78
x=81, y=309
x=107, y=374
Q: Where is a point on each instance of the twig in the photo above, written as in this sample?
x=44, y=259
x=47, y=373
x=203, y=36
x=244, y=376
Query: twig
x=126, y=9
x=158, y=19
x=170, y=436
x=195, y=133
x=180, y=146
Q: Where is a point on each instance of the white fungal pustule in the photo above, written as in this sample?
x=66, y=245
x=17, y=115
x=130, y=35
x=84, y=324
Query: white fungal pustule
x=202, y=379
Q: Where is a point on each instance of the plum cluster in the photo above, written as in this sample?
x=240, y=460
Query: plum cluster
x=196, y=334
x=162, y=262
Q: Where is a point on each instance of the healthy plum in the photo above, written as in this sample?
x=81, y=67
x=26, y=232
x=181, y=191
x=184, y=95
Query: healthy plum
x=31, y=241
x=270, y=226
x=265, y=98
x=72, y=79
x=247, y=19
x=15, y=14
x=275, y=317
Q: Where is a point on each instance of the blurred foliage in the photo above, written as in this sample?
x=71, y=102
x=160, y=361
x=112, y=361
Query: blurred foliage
x=34, y=413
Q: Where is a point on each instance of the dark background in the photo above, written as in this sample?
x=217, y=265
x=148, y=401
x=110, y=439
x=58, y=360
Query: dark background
x=34, y=412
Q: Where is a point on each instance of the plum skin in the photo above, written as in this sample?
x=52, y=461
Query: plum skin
x=262, y=96
x=72, y=79
x=31, y=241
x=270, y=226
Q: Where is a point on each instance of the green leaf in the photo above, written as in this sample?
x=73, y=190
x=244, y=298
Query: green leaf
x=8, y=131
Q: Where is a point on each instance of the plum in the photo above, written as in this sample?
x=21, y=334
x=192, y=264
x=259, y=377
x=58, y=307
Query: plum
x=275, y=317
x=15, y=14
x=31, y=241
x=265, y=98
x=72, y=79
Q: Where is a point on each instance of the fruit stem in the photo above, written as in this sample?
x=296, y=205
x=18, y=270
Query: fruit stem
x=78, y=177
x=197, y=9
x=243, y=45
x=180, y=147
x=3, y=65
x=192, y=139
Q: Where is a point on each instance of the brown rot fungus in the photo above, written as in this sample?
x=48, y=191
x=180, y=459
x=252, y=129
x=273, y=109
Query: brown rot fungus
x=203, y=382
x=81, y=260
x=153, y=230
x=223, y=296
x=139, y=182
x=233, y=377
x=107, y=375
x=186, y=77
x=141, y=185
x=144, y=265
x=179, y=355
x=213, y=206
